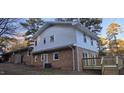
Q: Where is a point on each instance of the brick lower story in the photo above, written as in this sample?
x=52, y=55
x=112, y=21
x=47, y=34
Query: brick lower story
x=68, y=58
x=64, y=62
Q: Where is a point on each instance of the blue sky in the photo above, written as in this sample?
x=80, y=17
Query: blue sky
x=107, y=21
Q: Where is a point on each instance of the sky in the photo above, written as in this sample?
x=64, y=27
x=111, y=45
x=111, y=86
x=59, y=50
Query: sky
x=107, y=21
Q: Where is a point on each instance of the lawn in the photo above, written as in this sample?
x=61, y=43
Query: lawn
x=19, y=69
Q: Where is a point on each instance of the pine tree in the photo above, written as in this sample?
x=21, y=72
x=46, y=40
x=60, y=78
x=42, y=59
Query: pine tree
x=32, y=25
x=94, y=24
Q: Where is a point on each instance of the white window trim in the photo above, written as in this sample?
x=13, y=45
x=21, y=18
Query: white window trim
x=86, y=62
x=42, y=57
x=54, y=56
x=85, y=38
x=35, y=43
x=92, y=42
x=35, y=58
x=95, y=59
x=51, y=41
x=28, y=53
x=44, y=41
x=88, y=56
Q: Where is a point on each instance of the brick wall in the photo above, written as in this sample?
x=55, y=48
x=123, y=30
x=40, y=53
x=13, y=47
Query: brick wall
x=80, y=56
x=64, y=62
x=27, y=59
x=38, y=62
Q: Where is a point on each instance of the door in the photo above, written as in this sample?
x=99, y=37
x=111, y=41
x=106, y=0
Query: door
x=17, y=58
x=45, y=60
x=45, y=57
x=22, y=59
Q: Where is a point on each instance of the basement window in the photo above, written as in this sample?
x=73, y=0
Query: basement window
x=56, y=56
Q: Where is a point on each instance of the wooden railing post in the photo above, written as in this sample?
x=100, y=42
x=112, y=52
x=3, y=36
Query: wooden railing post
x=102, y=65
x=117, y=62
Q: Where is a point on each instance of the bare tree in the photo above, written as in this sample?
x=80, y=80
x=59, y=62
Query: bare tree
x=8, y=28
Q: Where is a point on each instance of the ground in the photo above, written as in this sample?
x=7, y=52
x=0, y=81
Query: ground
x=19, y=69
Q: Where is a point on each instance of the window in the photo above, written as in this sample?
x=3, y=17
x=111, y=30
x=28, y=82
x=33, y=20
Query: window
x=91, y=41
x=35, y=59
x=28, y=53
x=55, y=56
x=83, y=55
x=85, y=59
x=44, y=41
x=42, y=57
x=52, y=38
x=35, y=43
x=85, y=40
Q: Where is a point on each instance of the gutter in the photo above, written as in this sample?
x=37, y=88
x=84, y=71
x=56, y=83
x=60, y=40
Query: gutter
x=78, y=65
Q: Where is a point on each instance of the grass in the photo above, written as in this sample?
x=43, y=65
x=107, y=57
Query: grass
x=19, y=69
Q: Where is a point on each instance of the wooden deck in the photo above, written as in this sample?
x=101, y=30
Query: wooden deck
x=92, y=63
x=103, y=63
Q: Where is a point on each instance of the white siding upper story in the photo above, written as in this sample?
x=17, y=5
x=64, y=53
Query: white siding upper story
x=87, y=45
x=63, y=36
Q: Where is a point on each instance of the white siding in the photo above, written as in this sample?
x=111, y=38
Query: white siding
x=63, y=35
x=87, y=45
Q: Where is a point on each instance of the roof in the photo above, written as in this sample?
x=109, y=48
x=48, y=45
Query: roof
x=20, y=49
x=55, y=48
x=76, y=25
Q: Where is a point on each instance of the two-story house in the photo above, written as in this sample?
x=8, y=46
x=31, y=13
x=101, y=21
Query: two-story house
x=63, y=45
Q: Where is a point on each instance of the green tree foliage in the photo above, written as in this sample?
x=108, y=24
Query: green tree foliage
x=19, y=45
x=5, y=41
x=102, y=45
x=112, y=31
x=94, y=24
x=32, y=25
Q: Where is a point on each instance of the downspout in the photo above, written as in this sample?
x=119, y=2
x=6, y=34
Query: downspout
x=78, y=65
x=73, y=57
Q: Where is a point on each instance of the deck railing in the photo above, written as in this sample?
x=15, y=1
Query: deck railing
x=100, y=62
x=91, y=63
x=120, y=62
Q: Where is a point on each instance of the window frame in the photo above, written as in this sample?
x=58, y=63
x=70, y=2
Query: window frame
x=85, y=55
x=85, y=39
x=91, y=41
x=35, y=43
x=42, y=57
x=28, y=53
x=52, y=38
x=54, y=55
x=35, y=58
x=44, y=41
